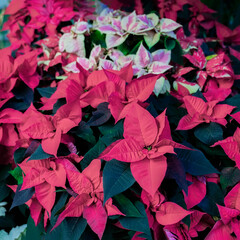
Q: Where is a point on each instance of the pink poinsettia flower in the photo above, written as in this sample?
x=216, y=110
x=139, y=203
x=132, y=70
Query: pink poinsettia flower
x=88, y=187
x=200, y=112
x=145, y=142
x=231, y=145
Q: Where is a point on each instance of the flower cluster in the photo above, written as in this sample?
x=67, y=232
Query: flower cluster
x=116, y=123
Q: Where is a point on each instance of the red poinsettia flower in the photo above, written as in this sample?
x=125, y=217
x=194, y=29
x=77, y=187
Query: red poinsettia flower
x=199, y=222
x=36, y=125
x=229, y=224
x=200, y=112
x=145, y=142
x=88, y=201
x=231, y=147
x=8, y=134
x=169, y=8
x=166, y=213
x=44, y=176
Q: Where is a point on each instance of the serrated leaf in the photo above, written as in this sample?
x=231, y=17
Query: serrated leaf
x=23, y=196
x=117, y=177
x=195, y=162
x=126, y=206
x=39, y=154
x=209, y=133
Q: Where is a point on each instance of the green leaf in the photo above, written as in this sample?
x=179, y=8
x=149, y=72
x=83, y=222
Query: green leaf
x=17, y=174
x=19, y=155
x=176, y=54
x=126, y=206
x=70, y=229
x=195, y=162
x=169, y=43
x=4, y=171
x=233, y=101
x=209, y=133
x=98, y=38
x=4, y=190
x=214, y=196
x=229, y=177
x=39, y=154
x=34, y=232
x=138, y=224
x=22, y=196
x=152, y=39
x=47, y=91
x=85, y=132
x=117, y=177
x=93, y=153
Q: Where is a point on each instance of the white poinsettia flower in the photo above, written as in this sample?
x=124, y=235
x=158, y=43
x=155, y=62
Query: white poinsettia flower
x=14, y=234
x=161, y=86
x=2, y=209
x=191, y=87
x=71, y=43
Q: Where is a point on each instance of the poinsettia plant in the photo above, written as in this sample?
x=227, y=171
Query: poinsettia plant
x=119, y=122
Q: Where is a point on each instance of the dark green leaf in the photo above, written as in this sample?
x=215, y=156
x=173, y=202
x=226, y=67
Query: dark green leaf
x=169, y=43
x=19, y=155
x=93, y=153
x=47, y=91
x=209, y=133
x=229, y=177
x=4, y=171
x=138, y=224
x=35, y=232
x=98, y=38
x=175, y=170
x=126, y=206
x=117, y=177
x=195, y=162
x=23, y=92
x=214, y=196
x=39, y=154
x=22, y=196
x=100, y=116
x=4, y=191
x=176, y=54
x=85, y=132
x=233, y=101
